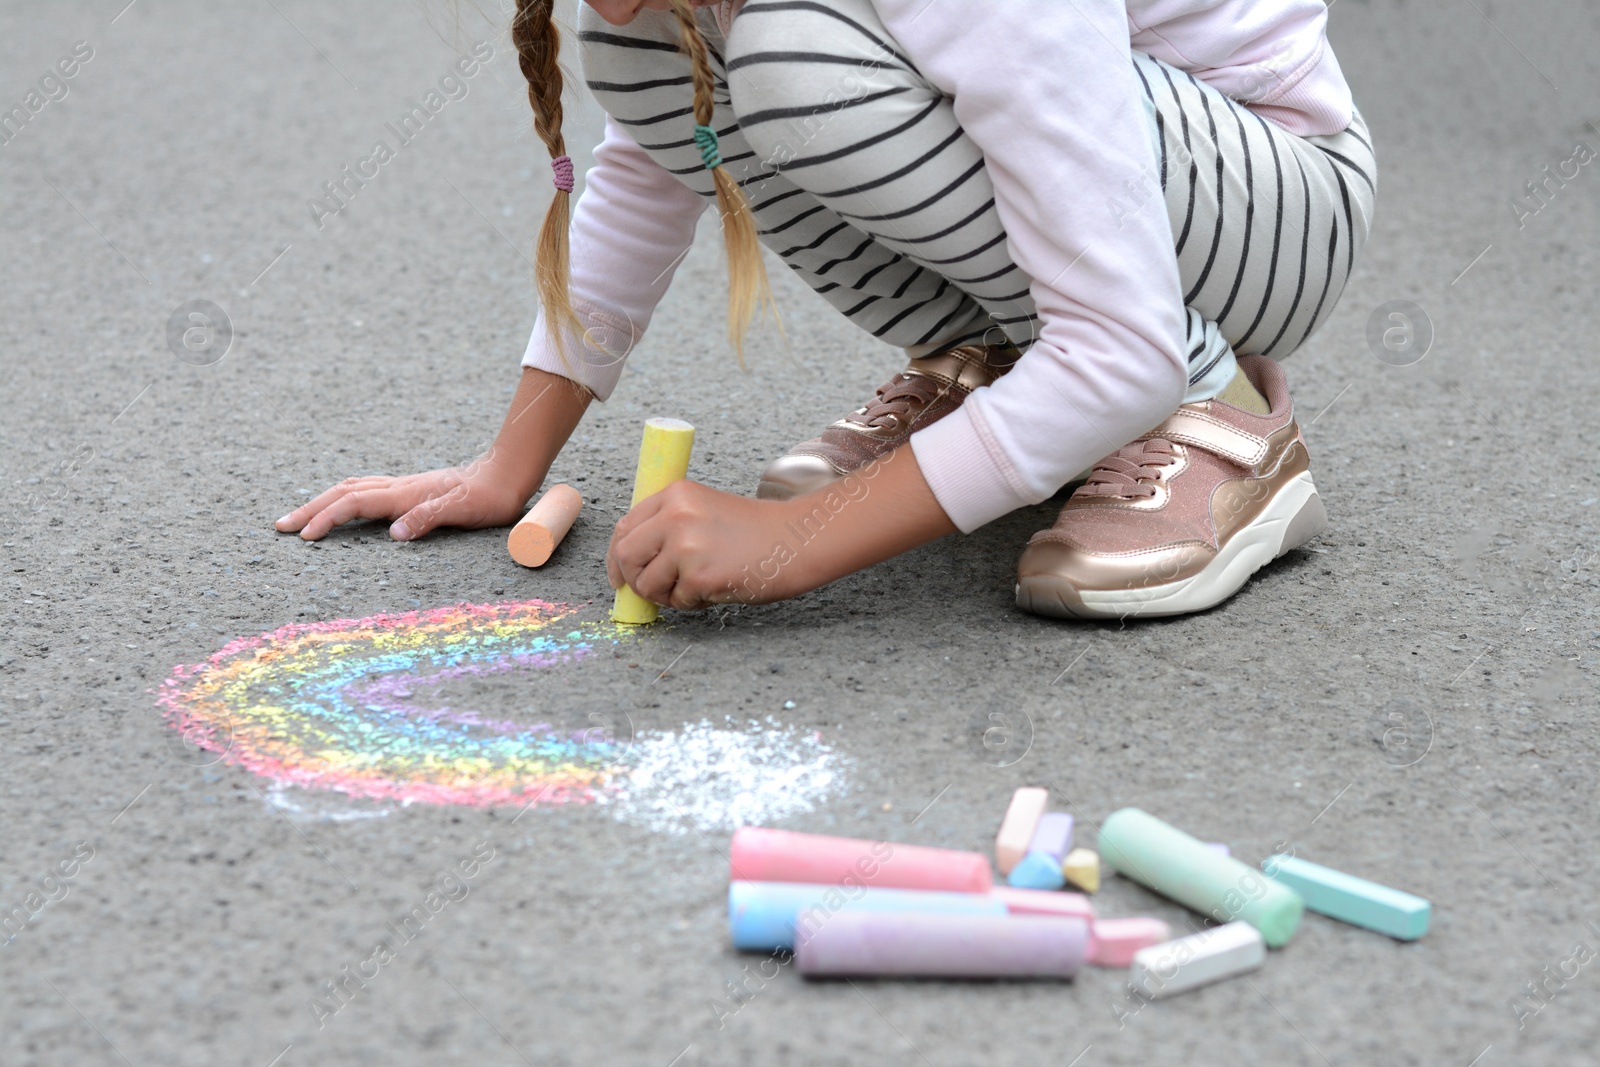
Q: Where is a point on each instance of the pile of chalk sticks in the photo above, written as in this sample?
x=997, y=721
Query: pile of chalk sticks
x=847, y=907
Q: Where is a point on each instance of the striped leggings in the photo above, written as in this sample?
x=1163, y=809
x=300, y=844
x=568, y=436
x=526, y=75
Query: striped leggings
x=863, y=183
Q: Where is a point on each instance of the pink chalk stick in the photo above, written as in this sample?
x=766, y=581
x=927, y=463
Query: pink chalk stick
x=1044, y=902
x=761, y=855
x=944, y=946
x=1053, y=835
x=1112, y=942
x=1016, y=829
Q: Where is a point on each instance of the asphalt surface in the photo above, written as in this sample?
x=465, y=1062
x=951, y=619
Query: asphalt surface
x=1409, y=698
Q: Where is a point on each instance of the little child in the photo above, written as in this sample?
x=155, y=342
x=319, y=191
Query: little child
x=1093, y=227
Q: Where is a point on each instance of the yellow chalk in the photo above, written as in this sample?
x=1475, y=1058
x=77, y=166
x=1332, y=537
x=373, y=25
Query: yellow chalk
x=663, y=459
x=1082, y=869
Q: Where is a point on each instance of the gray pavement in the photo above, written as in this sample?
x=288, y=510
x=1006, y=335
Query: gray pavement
x=1410, y=698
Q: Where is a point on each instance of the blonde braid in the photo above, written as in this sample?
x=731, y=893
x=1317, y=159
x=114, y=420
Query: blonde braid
x=748, y=290
x=538, y=44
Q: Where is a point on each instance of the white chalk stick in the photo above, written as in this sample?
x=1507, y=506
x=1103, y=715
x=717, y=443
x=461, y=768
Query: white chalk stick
x=1197, y=960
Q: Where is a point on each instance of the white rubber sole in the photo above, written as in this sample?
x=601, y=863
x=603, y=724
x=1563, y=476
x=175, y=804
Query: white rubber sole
x=1289, y=520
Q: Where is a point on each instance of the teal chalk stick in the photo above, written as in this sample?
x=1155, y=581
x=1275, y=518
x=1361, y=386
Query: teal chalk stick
x=1142, y=847
x=1353, y=900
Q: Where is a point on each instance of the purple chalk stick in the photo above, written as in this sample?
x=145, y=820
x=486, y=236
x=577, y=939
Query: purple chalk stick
x=1054, y=835
x=1218, y=846
x=944, y=946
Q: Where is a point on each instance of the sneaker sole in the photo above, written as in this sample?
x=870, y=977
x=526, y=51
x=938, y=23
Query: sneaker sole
x=1293, y=517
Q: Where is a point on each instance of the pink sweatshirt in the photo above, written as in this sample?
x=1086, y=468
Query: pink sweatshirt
x=1063, y=115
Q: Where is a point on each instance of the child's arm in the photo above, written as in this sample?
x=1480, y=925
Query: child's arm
x=1067, y=144
x=492, y=490
x=630, y=230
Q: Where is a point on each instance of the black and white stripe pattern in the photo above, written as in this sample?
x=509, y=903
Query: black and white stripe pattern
x=1266, y=225
x=863, y=183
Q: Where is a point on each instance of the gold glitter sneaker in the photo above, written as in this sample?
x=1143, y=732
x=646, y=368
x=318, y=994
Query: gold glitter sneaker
x=1179, y=520
x=930, y=388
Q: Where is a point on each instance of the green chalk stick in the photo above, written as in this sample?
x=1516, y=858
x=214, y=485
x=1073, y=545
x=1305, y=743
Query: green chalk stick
x=1350, y=899
x=1142, y=847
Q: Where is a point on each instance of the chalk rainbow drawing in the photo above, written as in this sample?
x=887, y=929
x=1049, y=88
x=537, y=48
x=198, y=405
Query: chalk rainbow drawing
x=362, y=707
x=359, y=705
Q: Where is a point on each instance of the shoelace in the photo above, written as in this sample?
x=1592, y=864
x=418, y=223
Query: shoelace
x=900, y=396
x=1131, y=471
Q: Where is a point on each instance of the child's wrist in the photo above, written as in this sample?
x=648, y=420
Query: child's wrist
x=498, y=467
x=808, y=559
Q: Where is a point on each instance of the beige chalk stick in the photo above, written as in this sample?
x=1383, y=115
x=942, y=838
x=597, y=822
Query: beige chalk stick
x=1016, y=829
x=534, y=538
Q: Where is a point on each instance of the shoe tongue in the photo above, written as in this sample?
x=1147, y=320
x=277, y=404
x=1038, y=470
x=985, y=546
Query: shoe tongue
x=907, y=386
x=897, y=396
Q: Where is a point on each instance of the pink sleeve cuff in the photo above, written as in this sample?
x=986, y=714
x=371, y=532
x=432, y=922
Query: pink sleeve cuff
x=1314, y=104
x=957, y=457
x=593, y=358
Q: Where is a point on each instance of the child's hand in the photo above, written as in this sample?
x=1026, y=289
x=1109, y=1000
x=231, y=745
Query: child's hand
x=471, y=497
x=492, y=490
x=690, y=546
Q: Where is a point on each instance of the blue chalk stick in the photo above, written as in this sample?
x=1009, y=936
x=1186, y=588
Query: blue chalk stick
x=762, y=916
x=1347, y=898
x=1037, y=870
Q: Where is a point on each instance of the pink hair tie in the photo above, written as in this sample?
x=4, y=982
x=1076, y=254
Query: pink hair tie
x=562, y=165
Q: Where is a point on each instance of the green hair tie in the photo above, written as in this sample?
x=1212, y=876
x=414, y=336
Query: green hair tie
x=706, y=139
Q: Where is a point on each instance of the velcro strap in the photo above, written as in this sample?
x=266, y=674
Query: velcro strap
x=1213, y=435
